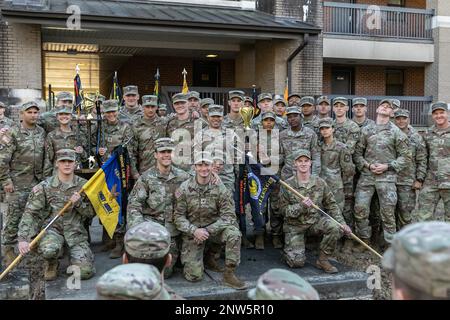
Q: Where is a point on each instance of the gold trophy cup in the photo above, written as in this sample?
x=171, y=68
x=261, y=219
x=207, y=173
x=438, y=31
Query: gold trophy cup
x=247, y=115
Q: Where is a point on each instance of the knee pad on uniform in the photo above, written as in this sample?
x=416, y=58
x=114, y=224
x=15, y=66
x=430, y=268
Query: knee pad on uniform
x=193, y=273
x=87, y=272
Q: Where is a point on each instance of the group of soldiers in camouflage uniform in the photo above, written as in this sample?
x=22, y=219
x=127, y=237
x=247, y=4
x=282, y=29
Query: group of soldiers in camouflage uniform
x=337, y=164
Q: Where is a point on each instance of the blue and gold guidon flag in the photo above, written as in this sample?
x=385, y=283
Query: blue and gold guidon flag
x=254, y=187
x=104, y=190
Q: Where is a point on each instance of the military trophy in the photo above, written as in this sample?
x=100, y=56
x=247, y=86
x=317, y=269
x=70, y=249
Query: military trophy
x=247, y=114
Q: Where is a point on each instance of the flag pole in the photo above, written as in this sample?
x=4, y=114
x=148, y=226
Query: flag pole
x=298, y=194
x=38, y=237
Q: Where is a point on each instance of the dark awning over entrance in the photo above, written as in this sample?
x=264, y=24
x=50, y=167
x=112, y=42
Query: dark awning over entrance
x=140, y=15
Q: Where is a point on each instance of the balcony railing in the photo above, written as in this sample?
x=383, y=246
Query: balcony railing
x=418, y=107
x=219, y=95
x=377, y=21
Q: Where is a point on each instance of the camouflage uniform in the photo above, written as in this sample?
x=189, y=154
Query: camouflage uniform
x=218, y=142
x=57, y=140
x=229, y=123
x=146, y=132
x=22, y=165
x=116, y=134
x=133, y=281
x=312, y=123
x=337, y=164
x=420, y=257
x=380, y=144
x=348, y=133
x=281, y=284
x=4, y=139
x=47, y=120
x=181, y=144
x=130, y=115
x=149, y=242
x=416, y=170
x=437, y=181
x=299, y=219
x=210, y=207
x=365, y=123
x=152, y=199
x=291, y=141
x=45, y=201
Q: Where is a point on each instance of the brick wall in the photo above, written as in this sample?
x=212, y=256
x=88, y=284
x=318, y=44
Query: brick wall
x=414, y=81
x=20, y=56
x=371, y=80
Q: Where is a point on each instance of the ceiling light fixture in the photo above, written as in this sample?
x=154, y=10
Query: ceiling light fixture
x=212, y=55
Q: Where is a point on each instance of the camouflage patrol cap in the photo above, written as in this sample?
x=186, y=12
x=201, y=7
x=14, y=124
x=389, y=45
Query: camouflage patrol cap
x=206, y=101
x=359, y=100
x=164, y=144
x=132, y=281
x=203, y=156
x=268, y=114
x=131, y=89
x=401, y=113
x=162, y=106
x=110, y=106
x=294, y=95
x=307, y=100
x=388, y=101
x=326, y=123
x=65, y=110
x=179, y=97
x=64, y=96
x=440, y=105
x=150, y=100
x=147, y=240
x=2, y=105
x=278, y=99
x=323, y=99
x=294, y=109
x=28, y=105
x=193, y=94
x=215, y=110
x=264, y=95
x=302, y=153
x=236, y=94
x=395, y=103
x=281, y=284
x=248, y=99
x=342, y=100
x=420, y=256
x=66, y=154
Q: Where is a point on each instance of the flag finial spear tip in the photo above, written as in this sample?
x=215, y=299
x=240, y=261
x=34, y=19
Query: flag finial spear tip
x=77, y=68
x=184, y=71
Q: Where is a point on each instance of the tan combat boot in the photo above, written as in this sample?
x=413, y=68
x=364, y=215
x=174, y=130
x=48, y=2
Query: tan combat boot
x=277, y=243
x=246, y=243
x=230, y=279
x=211, y=263
x=51, y=270
x=259, y=242
x=118, y=250
x=8, y=255
x=324, y=264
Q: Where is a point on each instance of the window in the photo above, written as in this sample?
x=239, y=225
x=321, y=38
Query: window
x=394, y=82
x=396, y=3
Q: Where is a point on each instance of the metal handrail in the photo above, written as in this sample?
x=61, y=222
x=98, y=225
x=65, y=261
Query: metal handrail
x=398, y=23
